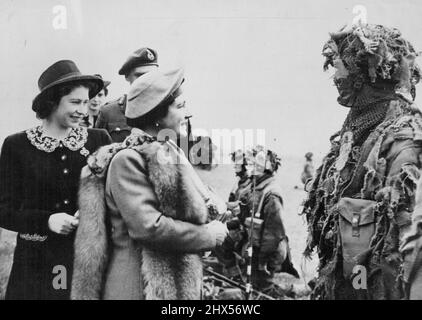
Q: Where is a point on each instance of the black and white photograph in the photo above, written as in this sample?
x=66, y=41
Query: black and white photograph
x=236, y=152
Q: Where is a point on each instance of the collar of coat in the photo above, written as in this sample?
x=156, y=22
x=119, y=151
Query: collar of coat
x=184, y=200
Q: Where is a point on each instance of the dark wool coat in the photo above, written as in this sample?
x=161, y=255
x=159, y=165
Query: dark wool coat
x=150, y=250
x=37, y=180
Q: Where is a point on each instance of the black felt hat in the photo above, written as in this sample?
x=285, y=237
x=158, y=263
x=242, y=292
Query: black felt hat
x=64, y=72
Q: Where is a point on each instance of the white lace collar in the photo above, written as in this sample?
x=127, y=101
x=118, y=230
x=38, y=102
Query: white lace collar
x=74, y=141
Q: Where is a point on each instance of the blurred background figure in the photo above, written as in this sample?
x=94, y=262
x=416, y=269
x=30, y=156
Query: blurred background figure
x=239, y=161
x=308, y=168
x=95, y=104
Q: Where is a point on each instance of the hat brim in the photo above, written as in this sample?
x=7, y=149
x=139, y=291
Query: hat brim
x=97, y=85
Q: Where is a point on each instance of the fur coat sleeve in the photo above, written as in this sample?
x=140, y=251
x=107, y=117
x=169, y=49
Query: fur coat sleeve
x=138, y=204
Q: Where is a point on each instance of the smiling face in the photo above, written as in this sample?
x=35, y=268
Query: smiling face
x=176, y=116
x=71, y=108
x=96, y=103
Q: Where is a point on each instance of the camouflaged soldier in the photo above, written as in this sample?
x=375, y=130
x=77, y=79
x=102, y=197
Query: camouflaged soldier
x=271, y=251
x=112, y=115
x=361, y=201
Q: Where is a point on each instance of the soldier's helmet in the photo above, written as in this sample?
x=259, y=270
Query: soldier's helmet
x=371, y=57
x=261, y=160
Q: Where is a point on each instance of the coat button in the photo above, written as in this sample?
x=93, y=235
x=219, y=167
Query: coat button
x=66, y=202
x=65, y=171
x=117, y=129
x=63, y=157
x=57, y=205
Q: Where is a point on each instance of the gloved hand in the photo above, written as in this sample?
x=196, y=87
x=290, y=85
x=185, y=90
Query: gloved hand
x=219, y=230
x=233, y=224
x=234, y=207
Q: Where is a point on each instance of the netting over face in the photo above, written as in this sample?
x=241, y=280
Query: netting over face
x=374, y=57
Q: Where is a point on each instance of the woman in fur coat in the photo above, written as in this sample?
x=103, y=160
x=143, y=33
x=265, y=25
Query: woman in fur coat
x=144, y=213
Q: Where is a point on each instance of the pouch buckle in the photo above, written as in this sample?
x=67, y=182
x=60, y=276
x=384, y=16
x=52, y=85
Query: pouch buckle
x=355, y=225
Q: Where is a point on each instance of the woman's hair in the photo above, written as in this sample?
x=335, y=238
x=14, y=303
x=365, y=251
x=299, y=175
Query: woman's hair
x=45, y=105
x=153, y=116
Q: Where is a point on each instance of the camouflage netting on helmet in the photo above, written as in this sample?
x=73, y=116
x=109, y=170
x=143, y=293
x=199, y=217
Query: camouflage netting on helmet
x=373, y=55
x=272, y=161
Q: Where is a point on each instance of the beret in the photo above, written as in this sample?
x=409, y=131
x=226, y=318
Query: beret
x=148, y=91
x=139, y=58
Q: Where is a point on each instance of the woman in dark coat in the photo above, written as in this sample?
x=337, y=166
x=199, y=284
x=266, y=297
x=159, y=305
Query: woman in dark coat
x=39, y=177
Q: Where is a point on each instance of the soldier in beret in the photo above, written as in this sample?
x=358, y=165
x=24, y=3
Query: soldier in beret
x=112, y=115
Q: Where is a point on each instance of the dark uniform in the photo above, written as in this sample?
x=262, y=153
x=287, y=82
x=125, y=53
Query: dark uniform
x=241, y=186
x=88, y=122
x=38, y=178
x=112, y=118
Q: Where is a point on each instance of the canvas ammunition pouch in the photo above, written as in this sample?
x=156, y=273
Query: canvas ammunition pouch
x=357, y=227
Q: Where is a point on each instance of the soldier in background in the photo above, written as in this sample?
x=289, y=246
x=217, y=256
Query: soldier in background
x=230, y=254
x=239, y=160
x=271, y=252
x=308, y=168
x=95, y=104
x=112, y=115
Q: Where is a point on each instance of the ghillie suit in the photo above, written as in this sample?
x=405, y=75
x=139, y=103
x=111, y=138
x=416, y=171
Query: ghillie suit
x=166, y=275
x=362, y=197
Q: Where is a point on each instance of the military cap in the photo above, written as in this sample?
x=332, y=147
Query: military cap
x=139, y=58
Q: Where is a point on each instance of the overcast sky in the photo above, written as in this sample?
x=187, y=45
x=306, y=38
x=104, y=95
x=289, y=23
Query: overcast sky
x=249, y=64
